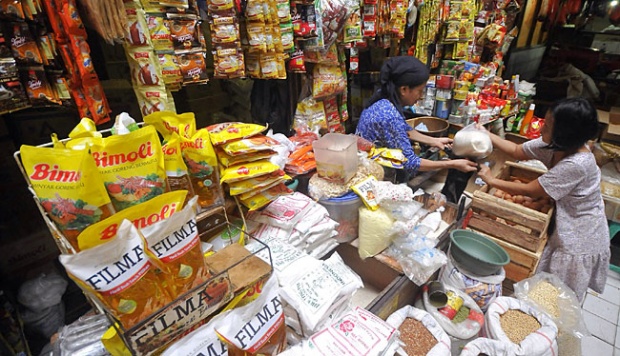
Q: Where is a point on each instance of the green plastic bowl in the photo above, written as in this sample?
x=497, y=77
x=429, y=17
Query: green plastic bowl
x=476, y=253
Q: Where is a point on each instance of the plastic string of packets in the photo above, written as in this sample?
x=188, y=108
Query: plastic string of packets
x=45, y=59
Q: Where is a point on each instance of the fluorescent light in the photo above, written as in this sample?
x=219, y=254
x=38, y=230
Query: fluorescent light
x=613, y=3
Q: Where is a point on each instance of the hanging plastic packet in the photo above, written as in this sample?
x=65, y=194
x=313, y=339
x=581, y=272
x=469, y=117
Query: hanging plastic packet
x=268, y=66
x=38, y=88
x=229, y=131
x=121, y=275
x=23, y=45
x=184, y=34
x=170, y=70
x=12, y=8
x=137, y=32
x=150, y=212
x=327, y=80
x=132, y=166
x=152, y=7
x=221, y=6
x=304, y=20
x=184, y=4
x=256, y=37
x=68, y=188
x=151, y=99
x=159, y=33
x=297, y=62
x=176, y=244
x=329, y=56
x=287, y=36
x=167, y=122
x=201, y=162
x=224, y=29
x=193, y=68
x=247, y=185
x=70, y=18
x=254, y=11
x=176, y=169
x=96, y=100
x=229, y=63
x=144, y=66
x=252, y=65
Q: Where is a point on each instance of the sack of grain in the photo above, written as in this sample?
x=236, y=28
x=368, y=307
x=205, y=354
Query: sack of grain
x=549, y=294
x=431, y=340
x=483, y=289
x=521, y=327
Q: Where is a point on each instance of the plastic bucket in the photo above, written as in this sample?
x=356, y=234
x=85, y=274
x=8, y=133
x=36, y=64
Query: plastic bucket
x=345, y=211
x=336, y=157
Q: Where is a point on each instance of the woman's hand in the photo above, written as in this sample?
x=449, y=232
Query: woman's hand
x=464, y=165
x=485, y=174
x=442, y=142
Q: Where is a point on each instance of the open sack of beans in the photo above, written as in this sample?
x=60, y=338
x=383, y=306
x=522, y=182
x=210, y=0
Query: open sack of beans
x=419, y=333
x=514, y=327
x=550, y=295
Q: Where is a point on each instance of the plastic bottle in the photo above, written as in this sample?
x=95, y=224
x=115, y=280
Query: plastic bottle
x=516, y=124
x=471, y=111
x=525, y=123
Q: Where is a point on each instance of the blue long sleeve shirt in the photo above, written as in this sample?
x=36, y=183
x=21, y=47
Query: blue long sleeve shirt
x=382, y=124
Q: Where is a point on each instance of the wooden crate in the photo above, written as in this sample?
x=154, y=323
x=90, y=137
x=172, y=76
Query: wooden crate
x=521, y=231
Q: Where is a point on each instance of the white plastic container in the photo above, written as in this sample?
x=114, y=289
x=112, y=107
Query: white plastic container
x=336, y=157
x=345, y=211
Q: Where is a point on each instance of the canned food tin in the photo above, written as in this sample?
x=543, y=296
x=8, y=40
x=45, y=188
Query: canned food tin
x=452, y=307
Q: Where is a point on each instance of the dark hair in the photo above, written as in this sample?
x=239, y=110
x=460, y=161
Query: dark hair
x=397, y=72
x=575, y=122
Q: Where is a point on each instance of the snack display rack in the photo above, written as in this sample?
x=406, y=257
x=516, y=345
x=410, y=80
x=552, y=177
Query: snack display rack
x=188, y=311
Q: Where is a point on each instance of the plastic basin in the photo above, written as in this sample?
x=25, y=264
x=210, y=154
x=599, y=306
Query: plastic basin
x=436, y=127
x=477, y=253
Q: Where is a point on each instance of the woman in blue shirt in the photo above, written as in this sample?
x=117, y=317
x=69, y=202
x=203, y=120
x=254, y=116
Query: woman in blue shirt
x=403, y=80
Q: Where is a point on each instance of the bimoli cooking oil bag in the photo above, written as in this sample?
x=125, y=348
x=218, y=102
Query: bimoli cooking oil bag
x=121, y=275
x=68, y=187
x=132, y=166
x=176, y=169
x=201, y=161
x=229, y=131
x=143, y=215
x=167, y=122
x=175, y=242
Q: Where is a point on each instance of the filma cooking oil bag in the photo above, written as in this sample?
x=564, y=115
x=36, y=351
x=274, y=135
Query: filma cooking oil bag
x=175, y=242
x=68, y=187
x=121, y=275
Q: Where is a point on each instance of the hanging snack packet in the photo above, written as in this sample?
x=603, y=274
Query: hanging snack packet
x=137, y=32
x=201, y=161
x=221, y=6
x=229, y=131
x=170, y=69
x=228, y=62
x=248, y=185
x=256, y=37
x=143, y=215
x=252, y=65
x=12, y=8
x=247, y=171
x=167, y=122
x=70, y=18
x=121, y=275
x=25, y=49
x=257, y=327
x=224, y=29
x=68, y=187
x=288, y=38
x=250, y=145
x=151, y=99
x=176, y=170
x=184, y=34
x=193, y=67
x=144, y=66
x=176, y=244
x=132, y=166
x=263, y=198
x=96, y=100
x=327, y=80
x=38, y=88
x=160, y=33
